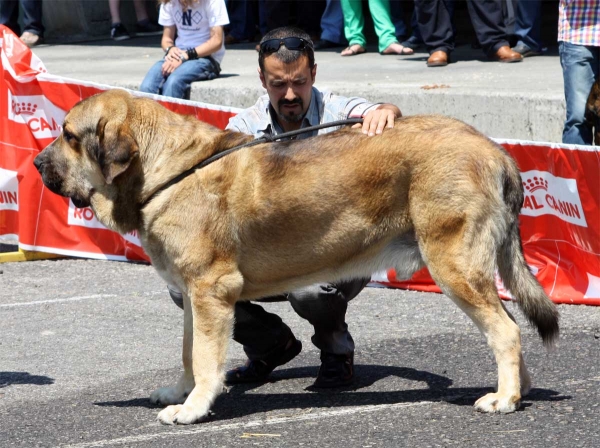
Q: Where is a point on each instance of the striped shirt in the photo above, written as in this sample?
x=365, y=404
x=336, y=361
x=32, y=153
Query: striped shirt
x=324, y=108
x=579, y=22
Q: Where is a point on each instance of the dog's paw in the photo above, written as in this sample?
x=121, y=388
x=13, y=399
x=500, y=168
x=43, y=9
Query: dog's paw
x=496, y=403
x=168, y=395
x=180, y=415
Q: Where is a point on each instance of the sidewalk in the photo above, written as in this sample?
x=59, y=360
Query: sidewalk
x=513, y=101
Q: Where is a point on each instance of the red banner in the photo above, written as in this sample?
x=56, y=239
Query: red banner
x=560, y=219
x=33, y=105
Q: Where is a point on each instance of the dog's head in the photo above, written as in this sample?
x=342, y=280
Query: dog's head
x=95, y=147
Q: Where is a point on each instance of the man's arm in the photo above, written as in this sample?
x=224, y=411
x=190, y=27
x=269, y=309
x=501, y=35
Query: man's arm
x=376, y=120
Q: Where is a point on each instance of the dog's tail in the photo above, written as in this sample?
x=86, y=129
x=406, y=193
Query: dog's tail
x=529, y=294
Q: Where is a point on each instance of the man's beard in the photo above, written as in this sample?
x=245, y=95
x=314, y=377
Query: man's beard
x=291, y=118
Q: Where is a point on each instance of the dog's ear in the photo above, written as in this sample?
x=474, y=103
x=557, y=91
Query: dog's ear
x=592, y=108
x=116, y=148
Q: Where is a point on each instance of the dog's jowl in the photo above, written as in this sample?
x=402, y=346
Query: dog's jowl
x=267, y=219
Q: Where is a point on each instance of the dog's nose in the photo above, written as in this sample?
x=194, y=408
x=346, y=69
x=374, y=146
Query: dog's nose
x=39, y=161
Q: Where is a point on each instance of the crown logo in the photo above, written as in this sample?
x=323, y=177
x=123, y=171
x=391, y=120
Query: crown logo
x=23, y=108
x=537, y=183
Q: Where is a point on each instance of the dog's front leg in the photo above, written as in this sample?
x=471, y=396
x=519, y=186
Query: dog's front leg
x=212, y=302
x=177, y=394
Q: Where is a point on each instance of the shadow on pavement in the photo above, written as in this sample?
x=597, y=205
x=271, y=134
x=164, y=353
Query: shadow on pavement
x=237, y=403
x=10, y=378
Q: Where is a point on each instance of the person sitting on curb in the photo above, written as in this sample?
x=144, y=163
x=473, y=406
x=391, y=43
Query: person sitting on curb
x=197, y=51
x=287, y=70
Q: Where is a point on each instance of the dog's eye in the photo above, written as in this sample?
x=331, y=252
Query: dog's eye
x=68, y=136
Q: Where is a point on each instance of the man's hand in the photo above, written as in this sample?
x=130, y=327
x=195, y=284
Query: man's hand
x=173, y=60
x=375, y=121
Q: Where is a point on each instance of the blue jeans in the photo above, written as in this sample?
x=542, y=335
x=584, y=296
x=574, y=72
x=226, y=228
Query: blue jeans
x=528, y=23
x=178, y=83
x=332, y=23
x=581, y=66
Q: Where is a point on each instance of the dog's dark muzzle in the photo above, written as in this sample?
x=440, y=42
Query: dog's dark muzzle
x=49, y=175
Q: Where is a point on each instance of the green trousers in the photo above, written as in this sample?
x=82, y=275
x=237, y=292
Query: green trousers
x=354, y=22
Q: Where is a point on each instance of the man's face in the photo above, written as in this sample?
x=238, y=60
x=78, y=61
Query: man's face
x=289, y=87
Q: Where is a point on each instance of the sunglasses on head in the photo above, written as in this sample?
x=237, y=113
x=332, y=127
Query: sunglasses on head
x=291, y=43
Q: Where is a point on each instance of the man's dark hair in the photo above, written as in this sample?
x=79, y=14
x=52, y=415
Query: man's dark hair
x=284, y=54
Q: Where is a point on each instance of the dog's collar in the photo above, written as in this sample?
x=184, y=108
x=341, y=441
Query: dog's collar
x=266, y=138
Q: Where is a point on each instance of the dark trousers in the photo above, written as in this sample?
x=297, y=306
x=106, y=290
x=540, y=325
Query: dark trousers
x=32, y=16
x=323, y=305
x=308, y=14
x=245, y=17
x=435, y=24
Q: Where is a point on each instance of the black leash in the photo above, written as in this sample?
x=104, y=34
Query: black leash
x=267, y=138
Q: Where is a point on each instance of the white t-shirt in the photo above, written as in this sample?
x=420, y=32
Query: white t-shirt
x=194, y=23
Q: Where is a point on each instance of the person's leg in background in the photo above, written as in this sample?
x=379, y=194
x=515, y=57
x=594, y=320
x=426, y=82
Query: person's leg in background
x=242, y=21
x=488, y=22
x=33, y=29
x=118, y=32
x=277, y=13
x=308, y=17
x=144, y=27
x=581, y=67
x=386, y=34
x=332, y=26
x=528, y=27
x=397, y=15
x=354, y=24
x=262, y=17
x=435, y=24
x=9, y=15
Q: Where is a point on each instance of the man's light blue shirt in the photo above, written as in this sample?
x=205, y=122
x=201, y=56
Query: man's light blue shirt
x=324, y=107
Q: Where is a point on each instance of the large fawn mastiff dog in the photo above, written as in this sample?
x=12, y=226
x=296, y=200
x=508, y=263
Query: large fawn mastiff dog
x=263, y=220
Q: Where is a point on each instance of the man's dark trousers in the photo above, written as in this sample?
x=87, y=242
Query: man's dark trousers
x=435, y=24
x=323, y=305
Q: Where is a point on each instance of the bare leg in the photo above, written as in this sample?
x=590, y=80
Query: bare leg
x=140, y=10
x=115, y=14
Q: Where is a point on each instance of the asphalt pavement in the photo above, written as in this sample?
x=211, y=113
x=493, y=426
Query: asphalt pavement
x=85, y=342
x=512, y=101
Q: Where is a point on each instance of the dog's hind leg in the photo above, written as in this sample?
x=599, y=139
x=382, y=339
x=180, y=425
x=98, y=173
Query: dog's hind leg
x=212, y=300
x=461, y=256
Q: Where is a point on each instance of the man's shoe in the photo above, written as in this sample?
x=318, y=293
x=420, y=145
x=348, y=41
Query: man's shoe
x=525, y=51
x=505, y=54
x=147, y=28
x=438, y=59
x=30, y=39
x=258, y=371
x=119, y=32
x=324, y=44
x=335, y=371
x=412, y=42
